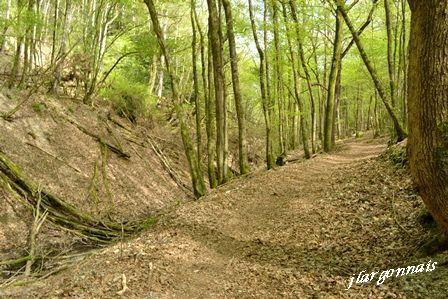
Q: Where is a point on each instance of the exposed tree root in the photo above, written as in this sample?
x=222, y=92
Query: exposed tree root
x=39, y=220
x=62, y=213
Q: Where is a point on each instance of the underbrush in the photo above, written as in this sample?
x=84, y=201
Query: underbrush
x=129, y=99
x=397, y=154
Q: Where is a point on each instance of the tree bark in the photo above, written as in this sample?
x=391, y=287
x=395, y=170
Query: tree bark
x=219, y=88
x=334, y=70
x=7, y=15
x=270, y=162
x=279, y=78
x=211, y=124
x=61, y=55
x=294, y=65
x=196, y=174
x=390, y=54
x=207, y=85
x=301, y=52
x=55, y=31
x=240, y=112
x=269, y=98
x=400, y=133
x=428, y=105
x=196, y=95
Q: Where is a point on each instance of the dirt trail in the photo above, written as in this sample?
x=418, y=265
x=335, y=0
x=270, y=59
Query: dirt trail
x=297, y=231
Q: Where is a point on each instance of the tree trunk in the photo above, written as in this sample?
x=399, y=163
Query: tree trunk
x=55, y=30
x=428, y=105
x=329, y=108
x=307, y=74
x=61, y=55
x=390, y=54
x=270, y=102
x=404, y=62
x=401, y=134
x=376, y=128
x=196, y=96
x=241, y=115
x=294, y=65
x=270, y=162
x=211, y=124
x=7, y=14
x=196, y=175
x=369, y=115
x=337, y=100
x=219, y=88
x=207, y=85
x=357, y=113
x=279, y=78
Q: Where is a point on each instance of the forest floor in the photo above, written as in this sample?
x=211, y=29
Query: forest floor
x=300, y=231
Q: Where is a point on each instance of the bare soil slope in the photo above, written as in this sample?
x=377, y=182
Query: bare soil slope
x=73, y=151
x=299, y=231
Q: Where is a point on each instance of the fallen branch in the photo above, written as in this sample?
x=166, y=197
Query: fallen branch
x=172, y=173
x=62, y=213
x=15, y=262
x=34, y=230
x=101, y=140
x=124, y=285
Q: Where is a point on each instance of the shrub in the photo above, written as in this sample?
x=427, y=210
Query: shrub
x=397, y=154
x=129, y=99
x=38, y=107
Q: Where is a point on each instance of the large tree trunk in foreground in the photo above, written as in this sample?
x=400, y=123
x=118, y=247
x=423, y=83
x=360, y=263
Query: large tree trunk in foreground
x=428, y=105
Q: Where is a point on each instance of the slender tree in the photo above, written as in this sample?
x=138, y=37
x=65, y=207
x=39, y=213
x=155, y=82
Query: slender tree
x=242, y=139
x=196, y=95
x=7, y=14
x=390, y=52
x=304, y=65
x=278, y=77
x=335, y=67
x=296, y=85
x=195, y=172
x=219, y=84
x=399, y=131
x=206, y=72
x=270, y=161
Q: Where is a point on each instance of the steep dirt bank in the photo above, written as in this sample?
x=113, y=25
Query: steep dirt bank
x=100, y=163
x=299, y=231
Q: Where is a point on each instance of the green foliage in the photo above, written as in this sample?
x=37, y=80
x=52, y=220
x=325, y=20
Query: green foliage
x=397, y=155
x=130, y=99
x=38, y=107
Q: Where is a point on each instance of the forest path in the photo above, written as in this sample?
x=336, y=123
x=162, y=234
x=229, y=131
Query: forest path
x=297, y=231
